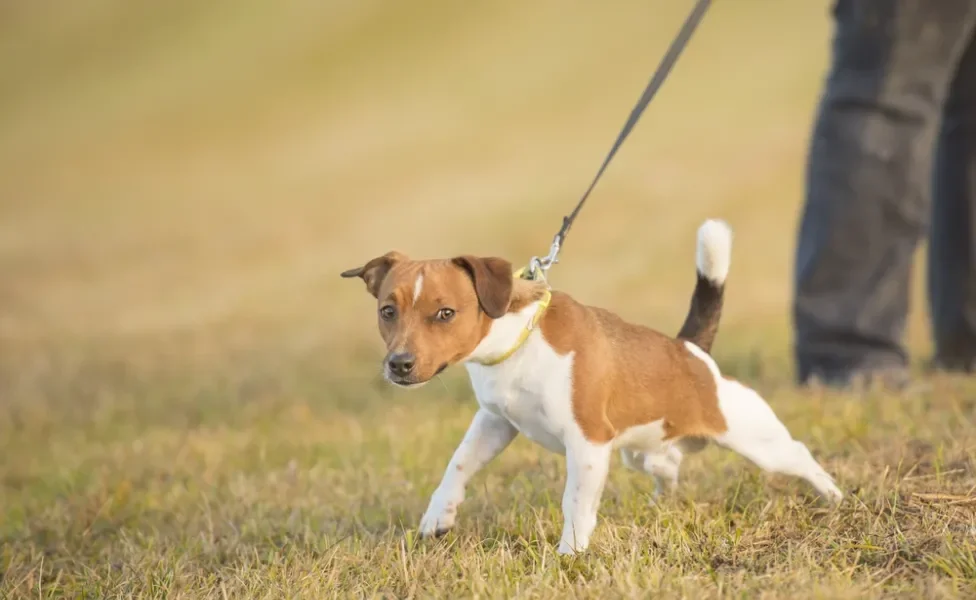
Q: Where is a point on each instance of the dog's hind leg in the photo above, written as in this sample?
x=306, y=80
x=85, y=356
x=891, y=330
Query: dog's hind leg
x=663, y=465
x=756, y=433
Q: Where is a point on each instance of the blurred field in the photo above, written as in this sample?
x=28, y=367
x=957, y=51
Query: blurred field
x=189, y=395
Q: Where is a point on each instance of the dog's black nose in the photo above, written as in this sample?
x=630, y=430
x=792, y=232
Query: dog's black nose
x=401, y=364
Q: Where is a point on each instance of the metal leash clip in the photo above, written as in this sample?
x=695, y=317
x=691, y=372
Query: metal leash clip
x=538, y=267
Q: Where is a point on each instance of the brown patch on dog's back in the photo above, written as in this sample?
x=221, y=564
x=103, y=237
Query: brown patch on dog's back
x=626, y=375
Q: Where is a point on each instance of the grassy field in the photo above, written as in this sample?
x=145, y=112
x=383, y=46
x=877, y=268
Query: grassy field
x=190, y=404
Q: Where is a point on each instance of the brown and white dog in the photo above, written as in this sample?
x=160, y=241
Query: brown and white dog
x=577, y=380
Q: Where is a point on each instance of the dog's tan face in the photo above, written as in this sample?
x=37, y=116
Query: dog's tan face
x=433, y=313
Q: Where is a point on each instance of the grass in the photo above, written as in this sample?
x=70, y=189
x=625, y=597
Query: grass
x=265, y=479
x=189, y=399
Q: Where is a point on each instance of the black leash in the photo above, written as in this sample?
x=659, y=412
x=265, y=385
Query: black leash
x=662, y=72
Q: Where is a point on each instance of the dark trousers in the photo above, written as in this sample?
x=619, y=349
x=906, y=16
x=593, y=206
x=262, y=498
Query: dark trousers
x=896, y=127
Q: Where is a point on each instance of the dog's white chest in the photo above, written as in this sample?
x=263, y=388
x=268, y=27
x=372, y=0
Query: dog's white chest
x=532, y=390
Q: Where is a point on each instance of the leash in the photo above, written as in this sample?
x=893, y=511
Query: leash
x=538, y=267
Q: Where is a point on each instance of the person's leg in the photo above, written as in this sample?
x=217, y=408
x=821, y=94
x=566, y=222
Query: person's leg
x=952, y=253
x=868, y=180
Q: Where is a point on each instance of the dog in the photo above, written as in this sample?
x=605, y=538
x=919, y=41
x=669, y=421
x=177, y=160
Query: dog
x=577, y=380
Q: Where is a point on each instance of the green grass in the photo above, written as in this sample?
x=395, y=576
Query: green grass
x=266, y=479
x=189, y=399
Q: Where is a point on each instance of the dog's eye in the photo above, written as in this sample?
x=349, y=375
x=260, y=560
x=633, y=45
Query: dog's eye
x=388, y=312
x=445, y=314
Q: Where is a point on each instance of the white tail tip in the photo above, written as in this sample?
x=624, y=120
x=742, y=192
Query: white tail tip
x=714, y=250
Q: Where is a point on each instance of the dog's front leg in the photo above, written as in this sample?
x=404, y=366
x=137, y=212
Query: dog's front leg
x=487, y=436
x=587, y=465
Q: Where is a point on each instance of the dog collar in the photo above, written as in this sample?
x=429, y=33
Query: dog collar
x=528, y=329
x=526, y=332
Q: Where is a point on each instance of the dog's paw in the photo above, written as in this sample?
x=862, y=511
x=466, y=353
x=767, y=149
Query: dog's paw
x=439, y=533
x=440, y=516
x=435, y=527
x=834, y=496
x=433, y=530
x=828, y=489
x=567, y=549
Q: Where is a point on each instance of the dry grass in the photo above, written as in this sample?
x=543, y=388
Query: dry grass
x=269, y=479
x=188, y=399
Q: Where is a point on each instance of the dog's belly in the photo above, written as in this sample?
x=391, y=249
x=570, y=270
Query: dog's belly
x=531, y=391
x=648, y=437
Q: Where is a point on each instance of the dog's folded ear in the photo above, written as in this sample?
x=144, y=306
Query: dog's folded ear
x=492, y=282
x=375, y=271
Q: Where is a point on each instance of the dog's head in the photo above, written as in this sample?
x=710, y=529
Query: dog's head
x=434, y=313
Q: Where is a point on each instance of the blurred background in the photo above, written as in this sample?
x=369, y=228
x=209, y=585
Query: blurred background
x=190, y=394
x=181, y=182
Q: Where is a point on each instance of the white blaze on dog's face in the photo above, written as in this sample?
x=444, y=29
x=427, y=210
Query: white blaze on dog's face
x=433, y=313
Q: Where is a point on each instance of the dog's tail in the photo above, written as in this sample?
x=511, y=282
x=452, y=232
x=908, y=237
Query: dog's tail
x=712, y=261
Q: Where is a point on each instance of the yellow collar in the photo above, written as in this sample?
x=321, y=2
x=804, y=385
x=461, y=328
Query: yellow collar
x=526, y=331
